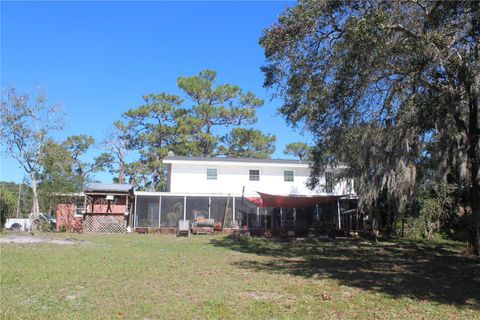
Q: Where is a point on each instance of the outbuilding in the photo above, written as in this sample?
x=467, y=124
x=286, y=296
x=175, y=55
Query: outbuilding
x=102, y=208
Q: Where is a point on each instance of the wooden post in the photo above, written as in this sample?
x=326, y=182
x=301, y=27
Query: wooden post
x=281, y=217
x=126, y=210
x=233, y=208
x=209, y=206
x=243, y=199
x=18, y=202
x=159, y=211
x=85, y=204
x=135, y=211
x=225, y=212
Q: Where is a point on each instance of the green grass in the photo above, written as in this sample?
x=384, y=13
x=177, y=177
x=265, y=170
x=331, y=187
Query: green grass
x=165, y=277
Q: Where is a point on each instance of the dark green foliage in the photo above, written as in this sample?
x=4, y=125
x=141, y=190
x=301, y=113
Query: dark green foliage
x=25, y=194
x=151, y=129
x=299, y=149
x=8, y=204
x=433, y=212
x=61, y=171
x=247, y=143
x=138, y=174
x=76, y=147
x=199, y=125
x=382, y=84
x=213, y=107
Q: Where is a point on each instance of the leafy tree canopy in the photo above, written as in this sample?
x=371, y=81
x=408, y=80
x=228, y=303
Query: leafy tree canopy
x=299, y=149
x=211, y=120
x=247, y=143
x=8, y=204
x=22, y=191
x=24, y=128
x=212, y=107
x=378, y=81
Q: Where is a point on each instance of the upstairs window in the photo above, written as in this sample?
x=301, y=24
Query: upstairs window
x=288, y=175
x=328, y=182
x=254, y=175
x=211, y=174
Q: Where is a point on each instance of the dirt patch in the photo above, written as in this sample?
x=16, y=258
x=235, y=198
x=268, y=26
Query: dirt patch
x=35, y=239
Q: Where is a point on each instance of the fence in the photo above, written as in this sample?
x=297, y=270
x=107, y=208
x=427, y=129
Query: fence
x=104, y=223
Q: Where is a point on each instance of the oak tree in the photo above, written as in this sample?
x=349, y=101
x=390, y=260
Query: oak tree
x=376, y=81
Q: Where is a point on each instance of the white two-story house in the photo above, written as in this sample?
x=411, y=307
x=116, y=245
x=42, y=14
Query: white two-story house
x=237, y=176
x=259, y=193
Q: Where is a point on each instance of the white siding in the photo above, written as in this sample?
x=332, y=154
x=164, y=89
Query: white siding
x=231, y=177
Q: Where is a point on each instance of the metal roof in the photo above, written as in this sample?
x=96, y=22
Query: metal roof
x=226, y=159
x=108, y=187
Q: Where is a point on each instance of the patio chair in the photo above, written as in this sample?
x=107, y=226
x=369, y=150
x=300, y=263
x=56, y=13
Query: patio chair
x=183, y=228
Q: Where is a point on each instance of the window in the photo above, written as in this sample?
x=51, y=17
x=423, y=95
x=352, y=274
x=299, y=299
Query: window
x=254, y=175
x=328, y=182
x=80, y=209
x=211, y=174
x=287, y=175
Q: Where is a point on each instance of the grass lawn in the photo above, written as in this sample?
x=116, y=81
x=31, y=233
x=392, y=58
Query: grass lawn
x=164, y=277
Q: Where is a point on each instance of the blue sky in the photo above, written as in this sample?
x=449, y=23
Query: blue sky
x=98, y=58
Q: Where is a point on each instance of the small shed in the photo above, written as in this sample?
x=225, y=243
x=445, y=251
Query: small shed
x=104, y=208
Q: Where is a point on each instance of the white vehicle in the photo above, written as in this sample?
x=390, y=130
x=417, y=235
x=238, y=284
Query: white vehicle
x=18, y=224
x=26, y=224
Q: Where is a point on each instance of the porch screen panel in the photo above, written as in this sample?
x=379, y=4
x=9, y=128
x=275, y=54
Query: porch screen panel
x=266, y=217
x=242, y=213
x=288, y=217
x=247, y=214
x=327, y=213
x=197, y=207
x=172, y=211
x=147, y=211
x=276, y=218
x=217, y=209
x=304, y=219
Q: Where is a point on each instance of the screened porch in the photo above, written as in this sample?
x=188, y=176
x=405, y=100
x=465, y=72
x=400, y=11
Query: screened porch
x=164, y=210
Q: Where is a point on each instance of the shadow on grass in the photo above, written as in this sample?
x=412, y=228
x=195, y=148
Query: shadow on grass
x=419, y=270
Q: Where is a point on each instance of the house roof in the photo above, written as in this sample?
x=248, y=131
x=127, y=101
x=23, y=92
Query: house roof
x=169, y=159
x=108, y=187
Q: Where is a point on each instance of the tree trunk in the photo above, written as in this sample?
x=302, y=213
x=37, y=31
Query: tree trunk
x=473, y=159
x=121, y=174
x=35, y=206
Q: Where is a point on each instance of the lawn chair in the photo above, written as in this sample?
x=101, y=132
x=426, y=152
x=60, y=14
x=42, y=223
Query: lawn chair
x=183, y=228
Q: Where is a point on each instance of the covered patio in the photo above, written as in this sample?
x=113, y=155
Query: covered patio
x=266, y=215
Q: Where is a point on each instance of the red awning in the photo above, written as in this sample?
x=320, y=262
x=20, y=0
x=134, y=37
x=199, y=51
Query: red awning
x=275, y=201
